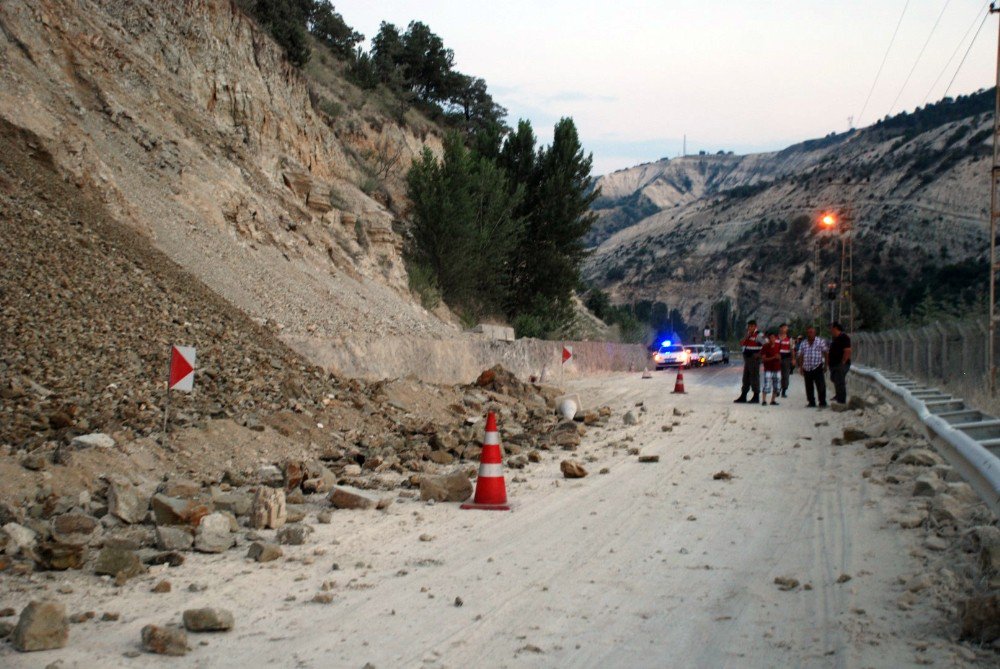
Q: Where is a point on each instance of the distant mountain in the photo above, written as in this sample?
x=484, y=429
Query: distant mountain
x=728, y=236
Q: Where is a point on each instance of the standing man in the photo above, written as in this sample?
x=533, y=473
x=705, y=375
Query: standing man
x=812, y=356
x=751, y=344
x=771, y=357
x=787, y=359
x=840, y=362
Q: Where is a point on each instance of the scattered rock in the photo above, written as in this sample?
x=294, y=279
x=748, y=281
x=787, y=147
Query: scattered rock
x=324, y=517
x=162, y=587
x=459, y=602
x=214, y=534
x=118, y=562
x=452, y=487
x=722, y=476
x=649, y=458
x=264, y=552
x=42, y=626
x=6, y=628
x=920, y=457
x=294, y=535
x=786, y=583
x=853, y=434
x=170, y=538
x=268, y=508
x=94, y=440
x=928, y=485
x=19, y=539
x=345, y=497
x=322, y=598
x=843, y=578
x=208, y=620
x=572, y=469
x=126, y=503
x=235, y=502
x=630, y=418
x=164, y=640
x=177, y=511
x=56, y=556
x=35, y=461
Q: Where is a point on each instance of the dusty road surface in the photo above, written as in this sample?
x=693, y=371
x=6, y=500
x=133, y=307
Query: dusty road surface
x=647, y=565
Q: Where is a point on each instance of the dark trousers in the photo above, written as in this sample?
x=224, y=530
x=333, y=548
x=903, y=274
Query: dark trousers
x=815, y=385
x=786, y=371
x=751, y=375
x=838, y=375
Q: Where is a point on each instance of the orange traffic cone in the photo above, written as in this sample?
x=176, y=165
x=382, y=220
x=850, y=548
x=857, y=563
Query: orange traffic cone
x=679, y=384
x=491, y=489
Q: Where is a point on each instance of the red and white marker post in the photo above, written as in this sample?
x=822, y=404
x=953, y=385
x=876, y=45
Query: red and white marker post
x=567, y=356
x=181, y=375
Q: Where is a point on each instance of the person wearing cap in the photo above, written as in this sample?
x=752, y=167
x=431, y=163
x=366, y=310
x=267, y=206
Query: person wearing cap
x=840, y=361
x=787, y=358
x=751, y=344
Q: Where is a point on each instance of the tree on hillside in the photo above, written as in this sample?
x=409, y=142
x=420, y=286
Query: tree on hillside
x=464, y=225
x=286, y=21
x=329, y=27
x=559, y=193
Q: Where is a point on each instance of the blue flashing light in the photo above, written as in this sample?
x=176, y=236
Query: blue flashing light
x=666, y=342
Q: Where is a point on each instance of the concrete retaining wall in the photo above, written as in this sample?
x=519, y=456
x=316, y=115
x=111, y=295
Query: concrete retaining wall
x=461, y=360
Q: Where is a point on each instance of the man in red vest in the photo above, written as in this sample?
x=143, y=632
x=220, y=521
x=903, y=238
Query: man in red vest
x=751, y=344
x=787, y=358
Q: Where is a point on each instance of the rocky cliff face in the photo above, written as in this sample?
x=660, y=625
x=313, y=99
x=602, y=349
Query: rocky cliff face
x=743, y=228
x=189, y=122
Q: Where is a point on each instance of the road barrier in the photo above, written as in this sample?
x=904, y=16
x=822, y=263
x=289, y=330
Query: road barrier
x=968, y=438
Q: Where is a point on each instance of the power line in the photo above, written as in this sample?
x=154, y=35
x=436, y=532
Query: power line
x=954, y=53
x=919, y=56
x=962, y=62
x=884, y=59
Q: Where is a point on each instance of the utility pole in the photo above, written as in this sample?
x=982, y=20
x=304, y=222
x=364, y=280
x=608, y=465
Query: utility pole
x=991, y=365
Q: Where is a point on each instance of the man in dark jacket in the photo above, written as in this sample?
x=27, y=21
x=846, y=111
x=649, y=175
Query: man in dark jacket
x=840, y=362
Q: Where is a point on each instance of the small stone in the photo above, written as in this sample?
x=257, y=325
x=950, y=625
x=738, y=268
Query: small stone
x=164, y=640
x=920, y=457
x=649, y=458
x=177, y=511
x=852, y=434
x=786, y=583
x=323, y=598
x=843, y=578
x=35, y=461
x=208, y=620
x=264, y=552
x=42, y=626
x=344, y=497
x=459, y=601
x=55, y=556
x=980, y=618
x=162, y=587
x=19, y=539
x=426, y=537
x=604, y=470
x=928, y=485
x=630, y=418
x=6, y=627
x=324, y=517
x=572, y=469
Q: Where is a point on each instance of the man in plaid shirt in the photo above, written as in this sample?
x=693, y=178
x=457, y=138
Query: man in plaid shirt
x=813, y=355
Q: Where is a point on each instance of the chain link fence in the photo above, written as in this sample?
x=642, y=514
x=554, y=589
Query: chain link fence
x=950, y=356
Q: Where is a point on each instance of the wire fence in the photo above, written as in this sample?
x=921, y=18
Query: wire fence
x=951, y=356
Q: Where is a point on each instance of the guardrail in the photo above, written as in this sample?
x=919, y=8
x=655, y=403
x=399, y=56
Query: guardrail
x=969, y=438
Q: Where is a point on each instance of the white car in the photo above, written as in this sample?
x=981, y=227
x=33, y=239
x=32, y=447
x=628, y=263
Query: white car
x=671, y=355
x=716, y=354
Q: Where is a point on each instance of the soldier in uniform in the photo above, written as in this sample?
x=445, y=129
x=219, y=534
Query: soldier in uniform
x=751, y=344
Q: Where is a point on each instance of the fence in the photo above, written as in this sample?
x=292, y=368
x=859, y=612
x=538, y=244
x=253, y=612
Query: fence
x=951, y=356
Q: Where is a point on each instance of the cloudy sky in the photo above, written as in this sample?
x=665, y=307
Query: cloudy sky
x=636, y=76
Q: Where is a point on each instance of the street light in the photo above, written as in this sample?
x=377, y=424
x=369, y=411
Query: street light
x=831, y=221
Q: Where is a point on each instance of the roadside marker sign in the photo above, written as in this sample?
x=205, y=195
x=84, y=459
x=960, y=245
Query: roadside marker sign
x=182, y=359
x=567, y=354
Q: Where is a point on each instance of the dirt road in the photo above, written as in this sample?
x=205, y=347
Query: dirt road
x=648, y=565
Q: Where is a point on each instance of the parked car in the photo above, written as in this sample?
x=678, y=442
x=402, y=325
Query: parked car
x=698, y=355
x=671, y=355
x=717, y=354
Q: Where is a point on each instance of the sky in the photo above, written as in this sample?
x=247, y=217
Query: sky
x=637, y=76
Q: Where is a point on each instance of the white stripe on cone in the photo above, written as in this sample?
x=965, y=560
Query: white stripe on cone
x=488, y=471
x=492, y=439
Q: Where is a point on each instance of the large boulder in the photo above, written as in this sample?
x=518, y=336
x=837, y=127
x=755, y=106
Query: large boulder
x=981, y=618
x=268, y=509
x=42, y=626
x=18, y=539
x=345, y=497
x=74, y=529
x=170, y=538
x=572, y=469
x=214, y=534
x=55, y=556
x=118, y=562
x=452, y=487
x=178, y=511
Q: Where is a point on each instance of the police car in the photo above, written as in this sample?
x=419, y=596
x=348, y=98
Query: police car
x=670, y=354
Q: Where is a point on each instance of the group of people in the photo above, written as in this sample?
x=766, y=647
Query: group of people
x=780, y=355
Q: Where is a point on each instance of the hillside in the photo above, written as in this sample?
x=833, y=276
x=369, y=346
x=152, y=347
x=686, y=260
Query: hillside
x=724, y=236
x=281, y=193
